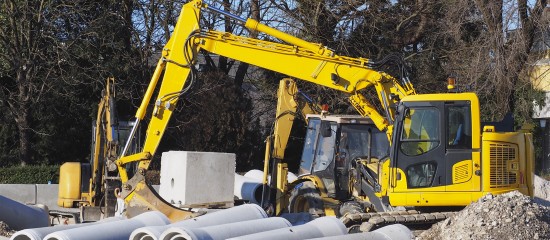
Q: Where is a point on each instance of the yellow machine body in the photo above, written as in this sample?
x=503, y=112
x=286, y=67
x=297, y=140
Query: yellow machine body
x=70, y=185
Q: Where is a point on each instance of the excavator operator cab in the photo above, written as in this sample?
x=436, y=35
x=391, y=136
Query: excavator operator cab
x=333, y=143
x=435, y=141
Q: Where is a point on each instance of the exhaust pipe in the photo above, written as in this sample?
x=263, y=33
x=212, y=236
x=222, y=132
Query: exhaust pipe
x=225, y=231
x=248, y=189
x=118, y=230
x=235, y=214
x=40, y=233
x=320, y=227
x=391, y=232
x=20, y=216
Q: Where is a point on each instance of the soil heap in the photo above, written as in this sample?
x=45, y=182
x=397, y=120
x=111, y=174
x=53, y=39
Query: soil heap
x=507, y=216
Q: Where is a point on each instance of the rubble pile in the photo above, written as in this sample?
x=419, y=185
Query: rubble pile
x=542, y=191
x=507, y=216
x=5, y=230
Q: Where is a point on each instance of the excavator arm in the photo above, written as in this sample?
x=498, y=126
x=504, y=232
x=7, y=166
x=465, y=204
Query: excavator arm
x=289, y=105
x=105, y=149
x=297, y=58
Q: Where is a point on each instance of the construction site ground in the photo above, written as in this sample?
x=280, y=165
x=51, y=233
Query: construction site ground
x=507, y=216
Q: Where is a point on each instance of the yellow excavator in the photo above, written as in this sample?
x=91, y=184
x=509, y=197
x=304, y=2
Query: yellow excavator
x=91, y=186
x=439, y=153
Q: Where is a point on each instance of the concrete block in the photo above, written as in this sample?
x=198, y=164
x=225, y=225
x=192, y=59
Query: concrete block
x=47, y=194
x=23, y=193
x=197, y=178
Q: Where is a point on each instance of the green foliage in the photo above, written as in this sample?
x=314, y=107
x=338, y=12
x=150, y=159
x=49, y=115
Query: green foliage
x=29, y=175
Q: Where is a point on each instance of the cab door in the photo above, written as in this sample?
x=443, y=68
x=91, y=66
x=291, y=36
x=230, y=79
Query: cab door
x=419, y=154
x=460, y=164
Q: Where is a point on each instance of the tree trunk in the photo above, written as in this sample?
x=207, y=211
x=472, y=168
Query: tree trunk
x=21, y=111
x=22, y=120
x=24, y=144
x=242, y=69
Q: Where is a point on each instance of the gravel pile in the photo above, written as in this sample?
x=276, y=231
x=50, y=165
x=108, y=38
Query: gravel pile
x=5, y=230
x=507, y=216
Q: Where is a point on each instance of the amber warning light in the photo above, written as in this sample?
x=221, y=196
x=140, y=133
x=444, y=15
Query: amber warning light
x=324, y=107
x=451, y=82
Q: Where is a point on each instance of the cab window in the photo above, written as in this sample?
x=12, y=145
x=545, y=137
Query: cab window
x=420, y=132
x=325, y=151
x=309, y=146
x=459, y=133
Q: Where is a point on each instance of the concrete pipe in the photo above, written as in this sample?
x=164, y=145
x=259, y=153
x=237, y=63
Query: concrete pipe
x=40, y=233
x=111, y=230
x=20, y=216
x=248, y=189
x=320, y=227
x=225, y=231
x=391, y=232
x=235, y=214
x=259, y=175
x=291, y=177
x=255, y=174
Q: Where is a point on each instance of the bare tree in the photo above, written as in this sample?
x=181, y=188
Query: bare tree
x=56, y=54
x=488, y=44
x=21, y=41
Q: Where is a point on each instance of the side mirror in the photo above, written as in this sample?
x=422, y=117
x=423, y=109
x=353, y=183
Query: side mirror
x=325, y=129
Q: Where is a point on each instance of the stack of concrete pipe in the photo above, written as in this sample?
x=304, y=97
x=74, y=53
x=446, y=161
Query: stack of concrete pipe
x=320, y=227
x=225, y=231
x=240, y=213
x=40, y=233
x=20, y=216
x=247, y=220
x=114, y=230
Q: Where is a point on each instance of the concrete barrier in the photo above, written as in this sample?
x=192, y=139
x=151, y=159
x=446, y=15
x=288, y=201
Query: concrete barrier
x=47, y=194
x=23, y=193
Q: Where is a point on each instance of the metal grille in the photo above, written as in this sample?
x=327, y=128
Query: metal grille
x=461, y=173
x=501, y=155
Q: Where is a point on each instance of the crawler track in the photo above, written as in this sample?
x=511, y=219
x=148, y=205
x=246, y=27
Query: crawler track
x=365, y=222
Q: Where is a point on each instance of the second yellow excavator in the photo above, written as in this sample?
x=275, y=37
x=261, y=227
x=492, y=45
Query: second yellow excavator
x=91, y=186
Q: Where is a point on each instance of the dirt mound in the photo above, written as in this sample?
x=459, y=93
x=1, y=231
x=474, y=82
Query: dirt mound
x=5, y=230
x=507, y=216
